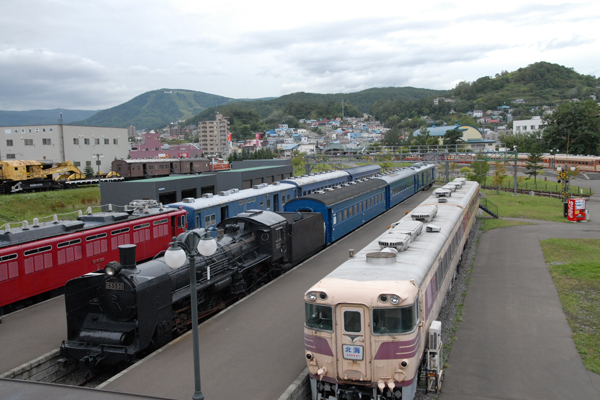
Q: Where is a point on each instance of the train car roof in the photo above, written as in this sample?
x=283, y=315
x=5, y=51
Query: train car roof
x=413, y=263
x=402, y=173
x=169, y=178
x=339, y=194
x=47, y=229
x=313, y=178
x=230, y=195
x=147, y=160
x=262, y=217
x=363, y=168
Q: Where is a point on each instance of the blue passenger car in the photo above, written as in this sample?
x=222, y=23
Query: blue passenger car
x=362, y=172
x=308, y=184
x=344, y=208
x=209, y=210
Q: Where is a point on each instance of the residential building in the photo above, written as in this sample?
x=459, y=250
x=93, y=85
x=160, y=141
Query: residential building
x=150, y=146
x=472, y=137
x=214, y=136
x=51, y=144
x=528, y=125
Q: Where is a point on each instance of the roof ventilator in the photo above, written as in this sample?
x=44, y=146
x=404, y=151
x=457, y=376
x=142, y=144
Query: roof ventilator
x=207, y=196
x=433, y=228
x=442, y=192
x=381, y=258
x=395, y=240
x=188, y=200
x=442, y=200
x=424, y=213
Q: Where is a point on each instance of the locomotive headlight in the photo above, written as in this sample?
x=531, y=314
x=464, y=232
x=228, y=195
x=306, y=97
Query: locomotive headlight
x=394, y=299
x=112, y=268
x=312, y=296
x=404, y=363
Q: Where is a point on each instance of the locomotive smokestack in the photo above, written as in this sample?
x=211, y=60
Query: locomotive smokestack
x=127, y=255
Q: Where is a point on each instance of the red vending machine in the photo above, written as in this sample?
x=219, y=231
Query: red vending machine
x=576, y=210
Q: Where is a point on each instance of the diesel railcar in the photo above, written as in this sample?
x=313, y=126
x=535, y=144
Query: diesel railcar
x=43, y=256
x=370, y=324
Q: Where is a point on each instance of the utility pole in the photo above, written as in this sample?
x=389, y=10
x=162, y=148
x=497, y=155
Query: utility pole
x=515, y=174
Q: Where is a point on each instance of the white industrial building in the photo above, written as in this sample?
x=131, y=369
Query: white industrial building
x=50, y=144
x=528, y=125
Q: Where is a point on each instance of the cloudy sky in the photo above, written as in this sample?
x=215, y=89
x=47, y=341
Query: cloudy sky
x=96, y=54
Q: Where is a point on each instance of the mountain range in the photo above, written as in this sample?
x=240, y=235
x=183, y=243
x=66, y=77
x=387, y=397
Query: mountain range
x=537, y=83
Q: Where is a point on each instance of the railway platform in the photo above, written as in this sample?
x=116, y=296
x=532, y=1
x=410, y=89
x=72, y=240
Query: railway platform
x=514, y=341
x=24, y=390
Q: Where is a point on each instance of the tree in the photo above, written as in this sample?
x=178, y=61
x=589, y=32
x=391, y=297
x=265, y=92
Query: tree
x=88, y=171
x=535, y=163
x=453, y=136
x=298, y=162
x=480, y=170
x=392, y=138
x=574, y=127
x=499, y=175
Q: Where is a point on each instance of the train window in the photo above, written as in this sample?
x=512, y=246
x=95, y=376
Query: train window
x=278, y=234
x=351, y=210
x=241, y=202
x=268, y=204
x=100, y=236
x=360, y=206
x=118, y=231
x=160, y=221
x=38, y=250
x=345, y=213
x=387, y=321
x=213, y=219
x=146, y=225
x=207, y=220
x=181, y=222
x=352, y=321
x=340, y=216
x=69, y=243
x=8, y=257
x=318, y=317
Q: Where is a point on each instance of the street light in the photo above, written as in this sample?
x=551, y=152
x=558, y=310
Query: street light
x=189, y=245
x=554, y=151
x=98, y=161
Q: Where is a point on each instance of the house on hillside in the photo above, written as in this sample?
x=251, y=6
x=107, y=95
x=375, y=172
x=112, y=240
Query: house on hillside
x=472, y=137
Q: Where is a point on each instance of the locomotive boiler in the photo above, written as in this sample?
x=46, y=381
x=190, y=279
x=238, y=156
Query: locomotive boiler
x=120, y=313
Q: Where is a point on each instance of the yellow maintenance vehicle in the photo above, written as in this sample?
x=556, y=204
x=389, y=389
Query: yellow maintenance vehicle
x=30, y=175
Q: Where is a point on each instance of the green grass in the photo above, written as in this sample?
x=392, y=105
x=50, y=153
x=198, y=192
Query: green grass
x=525, y=206
x=26, y=206
x=546, y=186
x=578, y=285
x=492, y=223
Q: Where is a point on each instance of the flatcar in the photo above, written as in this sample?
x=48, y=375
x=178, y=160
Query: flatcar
x=40, y=257
x=253, y=247
x=370, y=325
x=154, y=168
x=118, y=314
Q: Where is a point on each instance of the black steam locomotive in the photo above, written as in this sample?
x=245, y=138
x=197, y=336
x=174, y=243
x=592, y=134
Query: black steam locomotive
x=117, y=314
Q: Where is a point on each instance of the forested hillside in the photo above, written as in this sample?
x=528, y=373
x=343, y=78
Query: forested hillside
x=156, y=109
x=525, y=91
x=43, y=117
x=248, y=117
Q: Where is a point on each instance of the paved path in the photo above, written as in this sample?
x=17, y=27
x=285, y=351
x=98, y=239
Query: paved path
x=514, y=341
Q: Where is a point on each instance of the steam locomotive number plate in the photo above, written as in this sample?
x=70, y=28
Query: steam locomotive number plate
x=115, y=286
x=352, y=352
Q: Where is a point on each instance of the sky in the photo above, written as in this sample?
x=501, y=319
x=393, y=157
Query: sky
x=97, y=54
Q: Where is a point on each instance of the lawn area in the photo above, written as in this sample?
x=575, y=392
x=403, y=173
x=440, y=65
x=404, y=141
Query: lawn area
x=525, y=206
x=26, y=206
x=492, y=223
x=575, y=269
x=576, y=186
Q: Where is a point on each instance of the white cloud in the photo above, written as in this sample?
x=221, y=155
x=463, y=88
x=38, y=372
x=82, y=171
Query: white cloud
x=101, y=53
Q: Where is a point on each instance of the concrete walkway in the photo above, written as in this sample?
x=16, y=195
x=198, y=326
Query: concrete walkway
x=514, y=341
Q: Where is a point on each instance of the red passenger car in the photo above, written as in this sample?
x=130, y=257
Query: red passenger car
x=38, y=258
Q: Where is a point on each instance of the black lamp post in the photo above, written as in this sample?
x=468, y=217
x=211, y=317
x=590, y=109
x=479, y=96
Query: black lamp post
x=190, y=245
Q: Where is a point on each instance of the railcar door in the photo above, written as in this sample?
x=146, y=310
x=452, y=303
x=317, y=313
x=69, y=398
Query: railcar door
x=353, y=344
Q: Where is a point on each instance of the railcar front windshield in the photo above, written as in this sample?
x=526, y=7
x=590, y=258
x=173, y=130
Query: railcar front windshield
x=393, y=320
x=318, y=317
